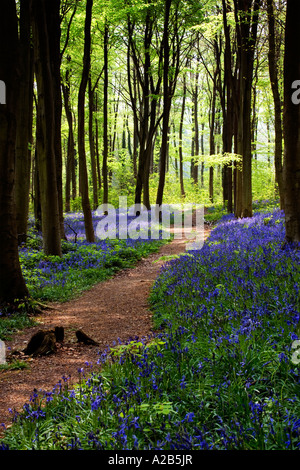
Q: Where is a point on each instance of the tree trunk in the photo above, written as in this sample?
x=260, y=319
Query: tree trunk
x=12, y=284
x=246, y=16
x=24, y=122
x=97, y=147
x=70, y=166
x=144, y=132
x=143, y=96
x=195, y=153
x=92, y=145
x=84, y=189
x=291, y=121
x=273, y=72
x=37, y=194
x=202, y=153
x=53, y=13
x=46, y=131
x=181, y=139
x=212, y=148
x=105, y=119
x=228, y=104
x=167, y=99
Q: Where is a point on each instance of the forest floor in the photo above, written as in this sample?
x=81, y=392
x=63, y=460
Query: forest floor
x=113, y=309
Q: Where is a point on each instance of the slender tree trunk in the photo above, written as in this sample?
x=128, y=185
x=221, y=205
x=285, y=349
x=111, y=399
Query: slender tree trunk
x=228, y=104
x=195, y=152
x=105, y=119
x=129, y=146
x=52, y=9
x=46, y=131
x=70, y=166
x=246, y=16
x=142, y=90
x=84, y=188
x=291, y=121
x=181, y=139
x=202, y=153
x=97, y=147
x=24, y=122
x=167, y=105
x=144, y=132
x=176, y=149
x=212, y=148
x=135, y=130
x=254, y=120
x=92, y=145
x=114, y=130
x=273, y=71
x=12, y=284
x=37, y=194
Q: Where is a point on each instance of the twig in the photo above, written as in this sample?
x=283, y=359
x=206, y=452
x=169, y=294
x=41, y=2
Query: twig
x=72, y=231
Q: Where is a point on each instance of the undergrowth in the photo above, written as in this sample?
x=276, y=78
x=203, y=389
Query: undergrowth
x=218, y=373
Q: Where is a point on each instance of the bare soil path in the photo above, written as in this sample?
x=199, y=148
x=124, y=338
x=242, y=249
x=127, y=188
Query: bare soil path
x=115, y=308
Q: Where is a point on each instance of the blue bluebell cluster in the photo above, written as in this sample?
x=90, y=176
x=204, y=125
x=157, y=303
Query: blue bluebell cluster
x=216, y=374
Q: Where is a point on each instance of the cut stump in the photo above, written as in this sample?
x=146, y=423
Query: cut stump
x=44, y=342
x=83, y=338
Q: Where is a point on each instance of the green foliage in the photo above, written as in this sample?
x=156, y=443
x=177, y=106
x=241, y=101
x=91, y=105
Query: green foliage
x=263, y=181
x=15, y=364
x=214, y=213
x=12, y=324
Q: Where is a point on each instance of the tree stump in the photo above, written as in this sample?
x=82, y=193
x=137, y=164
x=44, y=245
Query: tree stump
x=83, y=338
x=44, y=342
x=59, y=333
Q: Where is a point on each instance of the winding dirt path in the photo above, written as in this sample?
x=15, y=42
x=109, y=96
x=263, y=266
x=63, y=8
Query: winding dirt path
x=115, y=308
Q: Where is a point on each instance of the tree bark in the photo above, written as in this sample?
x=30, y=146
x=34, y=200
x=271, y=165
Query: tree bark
x=97, y=147
x=167, y=100
x=291, y=121
x=143, y=95
x=246, y=16
x=24, y=122
x=212, y=148
x=54, y=32
x=46, y=131
x=84, y=189
x=227, y=109
x=12, y=284
x=70, y=166
x=181, y=139
x=273, y=72
x=37, y=194
x=92, y=144
x=105, y=118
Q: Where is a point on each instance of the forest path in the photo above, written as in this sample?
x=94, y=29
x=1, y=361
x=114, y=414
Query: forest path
x=115, y=308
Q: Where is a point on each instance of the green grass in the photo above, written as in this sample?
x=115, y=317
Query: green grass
x=15, y=364
x=12, y=324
